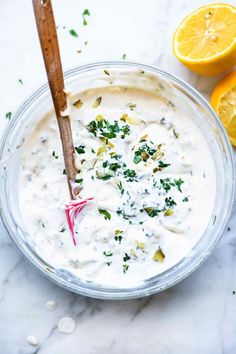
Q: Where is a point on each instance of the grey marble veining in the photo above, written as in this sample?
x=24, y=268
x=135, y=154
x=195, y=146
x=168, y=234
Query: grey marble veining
x=196, y=316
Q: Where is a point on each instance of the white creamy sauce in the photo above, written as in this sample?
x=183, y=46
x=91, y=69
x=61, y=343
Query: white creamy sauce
x=148, y=168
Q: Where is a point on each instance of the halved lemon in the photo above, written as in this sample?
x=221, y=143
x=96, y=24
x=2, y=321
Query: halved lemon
x=205, y=40
x=223, y=100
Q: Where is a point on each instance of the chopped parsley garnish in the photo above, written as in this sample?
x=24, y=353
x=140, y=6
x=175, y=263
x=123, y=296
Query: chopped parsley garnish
x=125, y=268
x=161, y=164
x=120, y=186
x=54, y=155
x=109, y=263
x=63, y=229
x=80, y=180
x=124, y=56
x=107, y=215
x=185, y=199
x=108, y=253
x=80, y=149
x=121, y=212
x=21, y=82
x=144, y=152
x=118, y=235
x=114, y=166
x=64, y=172
x=178, y=183
x=126, y=257
x=170, y=203
x=107, y=130
x=130, y=175
x=152, y=212
x=125, y=131
x=105, y=177
x=73, y=33
x=8, y=115
x=84, y=14
x=166, y=184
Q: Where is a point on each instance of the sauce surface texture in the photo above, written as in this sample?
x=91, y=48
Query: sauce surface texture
x=148, y=168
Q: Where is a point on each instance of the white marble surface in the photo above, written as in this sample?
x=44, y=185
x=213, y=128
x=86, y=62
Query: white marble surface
x=196, y=316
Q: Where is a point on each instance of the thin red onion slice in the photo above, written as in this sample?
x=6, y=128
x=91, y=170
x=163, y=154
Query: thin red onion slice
x=72, y=209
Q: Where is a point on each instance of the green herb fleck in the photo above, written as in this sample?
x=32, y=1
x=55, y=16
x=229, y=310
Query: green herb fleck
x=118, y=235
x=63, y=229
x=124, y=56
x=108, y=253
x=125, y=268
x=8, y=115
x=185, y=199
x=120, y=186
x=170, y=203
x=85, y=13
x=162, y=164
x=144, y=152
x=178, y=183
x=80, y=149
x=80, y=180
x=126, y=257
x=21, y=82
x=73, y=33
x=106, y=214
x=152, y=212
x=54, y=155
x=130, y=175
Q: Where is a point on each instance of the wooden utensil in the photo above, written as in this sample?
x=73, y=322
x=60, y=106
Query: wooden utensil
x=49, y=44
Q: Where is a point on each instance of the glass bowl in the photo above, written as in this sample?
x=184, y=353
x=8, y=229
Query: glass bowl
x=121, y=73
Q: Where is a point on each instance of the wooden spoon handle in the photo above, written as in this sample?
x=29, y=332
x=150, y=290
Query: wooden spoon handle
x=49, y=44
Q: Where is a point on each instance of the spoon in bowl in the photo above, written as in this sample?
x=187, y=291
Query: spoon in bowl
x=50, y=49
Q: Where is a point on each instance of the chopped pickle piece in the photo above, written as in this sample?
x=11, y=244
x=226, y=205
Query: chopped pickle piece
x=97, y=102
x=168, y=212
x=78, y=104
x=112, y=146
x=140, y=245
x=124, y=117
x=101, y=150
x=143, y=138
x=134, y=121
x=158, y=154
x=133, y=253
x=159, y=256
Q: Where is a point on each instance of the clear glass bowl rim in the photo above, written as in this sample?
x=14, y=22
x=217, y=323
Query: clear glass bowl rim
x=133, y=293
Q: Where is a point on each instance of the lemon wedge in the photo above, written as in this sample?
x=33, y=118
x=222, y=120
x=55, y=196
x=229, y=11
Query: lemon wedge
x=223, y=100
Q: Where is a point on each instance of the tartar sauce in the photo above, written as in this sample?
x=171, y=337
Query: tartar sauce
x=148, y=169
